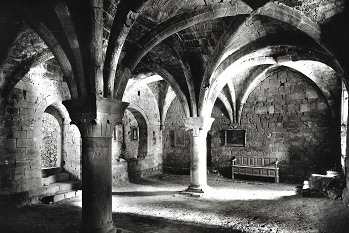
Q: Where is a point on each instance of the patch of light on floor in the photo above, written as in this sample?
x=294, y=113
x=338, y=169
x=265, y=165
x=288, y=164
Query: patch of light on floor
x=169, y=209
x=76, y=203
x=243, y=194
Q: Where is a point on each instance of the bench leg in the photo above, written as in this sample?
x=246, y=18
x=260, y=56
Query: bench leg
x=277, y=178
x=232, y=175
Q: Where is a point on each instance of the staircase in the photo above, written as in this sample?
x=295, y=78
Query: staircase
x=57, y=185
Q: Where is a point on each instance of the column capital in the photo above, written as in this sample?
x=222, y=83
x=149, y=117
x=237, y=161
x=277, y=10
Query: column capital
x=198, y=125
x=97, y=116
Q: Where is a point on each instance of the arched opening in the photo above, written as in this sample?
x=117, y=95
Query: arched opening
x=60, y=150
x=119, y=163
x=129, y=146
x=135, y=134
x=51, y=150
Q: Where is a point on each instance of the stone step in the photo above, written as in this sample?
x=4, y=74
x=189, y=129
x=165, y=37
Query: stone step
x=61, y=187
x=55, y=178
x=46, y=172
x=61, y=196
x=67, y=195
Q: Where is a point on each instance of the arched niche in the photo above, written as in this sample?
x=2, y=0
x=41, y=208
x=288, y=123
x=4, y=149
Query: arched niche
x=51, y=150
x=130, y=140
x=139, y=132
x=67, y=142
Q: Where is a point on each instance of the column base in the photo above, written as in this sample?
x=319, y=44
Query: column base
x=100, y=230
x=196, y=190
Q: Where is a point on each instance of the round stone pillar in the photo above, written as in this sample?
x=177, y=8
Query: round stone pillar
x=198, y=126
x=96, y=120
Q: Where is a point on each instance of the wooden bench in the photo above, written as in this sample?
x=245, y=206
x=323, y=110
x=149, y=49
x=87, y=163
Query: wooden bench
x=256, y=166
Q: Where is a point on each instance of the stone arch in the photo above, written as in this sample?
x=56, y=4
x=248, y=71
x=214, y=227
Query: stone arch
x=77, y=87
x=141, y=132
x=293, y=17
x=260, y=56
x=24, y=67
x=289, y=105
x=180, y=22
x=253, y=84
x=227, y=106
x=170, y=96
x=52, y=138
x=173, y=83
x=70, y=140
x=124, y=18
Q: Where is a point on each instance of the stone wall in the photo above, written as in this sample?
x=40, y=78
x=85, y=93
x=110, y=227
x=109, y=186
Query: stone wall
x=51, y=155
x=69, y=142
x=144, y=154
x=176, y=141
x=119, y=172
x=21, y=132
x=131, y=149
x=285, y=117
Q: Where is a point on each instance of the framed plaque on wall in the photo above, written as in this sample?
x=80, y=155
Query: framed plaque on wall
x=235, y=137
x=134, y=133
x=179, y=138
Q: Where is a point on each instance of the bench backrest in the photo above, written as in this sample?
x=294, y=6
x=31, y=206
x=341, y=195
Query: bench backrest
x=255, y=161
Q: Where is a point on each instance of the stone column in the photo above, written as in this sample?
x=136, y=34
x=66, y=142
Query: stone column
x=198, y=126
x=96, y=119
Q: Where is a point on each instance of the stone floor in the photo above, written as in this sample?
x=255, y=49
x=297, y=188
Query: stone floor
x=155, y=204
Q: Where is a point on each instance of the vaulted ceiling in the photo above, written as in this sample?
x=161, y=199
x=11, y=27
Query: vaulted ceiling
x=203, y=49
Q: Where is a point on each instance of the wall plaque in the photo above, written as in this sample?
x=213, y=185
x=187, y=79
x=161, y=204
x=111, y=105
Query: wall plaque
x=235, y=137
x=134, y=133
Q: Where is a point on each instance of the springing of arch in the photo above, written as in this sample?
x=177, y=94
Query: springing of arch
x=184, y=63
x=180, y=22
x=172, y=82
x=170, y=96
x=126, y=14
x=23, y=69
x=281, y=13
x=76, y=87
x=227, y=106
x=253, y=56
x=75, y=58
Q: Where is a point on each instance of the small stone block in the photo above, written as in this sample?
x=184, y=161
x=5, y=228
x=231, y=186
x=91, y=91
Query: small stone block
x=70, y=194
x=58, y=197
x=52, y=189
x=63, y=176
x=49, y=180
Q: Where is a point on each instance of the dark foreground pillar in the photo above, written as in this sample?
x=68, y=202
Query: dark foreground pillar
x=96, y=119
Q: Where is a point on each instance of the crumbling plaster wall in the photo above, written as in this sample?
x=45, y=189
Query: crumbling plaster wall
x=21, y=135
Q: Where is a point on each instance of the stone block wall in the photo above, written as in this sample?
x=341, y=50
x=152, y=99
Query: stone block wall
x=286, y=117
x=176, y=150
x=21, y=132
x=143, y=167
x=131, y=149
x=51, y=142
x=119, y=172
x=71, y=155
x=143, y=155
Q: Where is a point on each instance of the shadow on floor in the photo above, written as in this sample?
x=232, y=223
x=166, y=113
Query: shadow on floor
x=147, y=182
x=66, y=218
x=148, y=224
x=145, y=193
x=41, y=219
